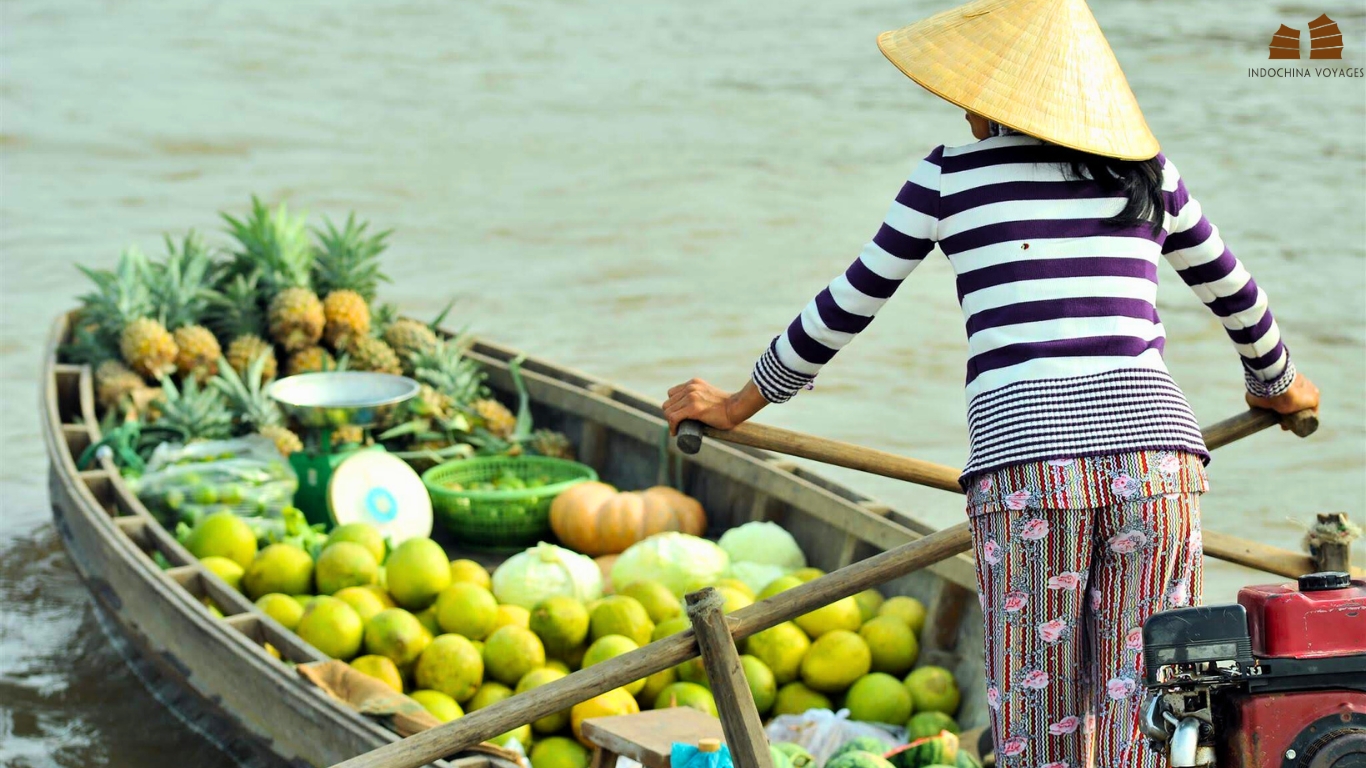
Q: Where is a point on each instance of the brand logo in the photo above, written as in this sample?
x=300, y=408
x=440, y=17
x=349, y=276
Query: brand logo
x=1325, y=40
x=1325, y=43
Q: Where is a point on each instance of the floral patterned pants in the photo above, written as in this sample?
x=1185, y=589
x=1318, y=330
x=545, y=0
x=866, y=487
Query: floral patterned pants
x=1065, y=592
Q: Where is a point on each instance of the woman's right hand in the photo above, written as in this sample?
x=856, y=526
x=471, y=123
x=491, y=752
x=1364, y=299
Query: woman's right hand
x=1302, y=396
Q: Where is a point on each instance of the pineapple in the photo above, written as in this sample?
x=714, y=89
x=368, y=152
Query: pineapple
x=409, y=338
x=235, y=309
x=244, y=349
x=198, y=353
x=178, y=285
x=370, y=354
x=347, y=260
x=347, y=317
x=193, y=411
x=296, y=318
x=550, y=443
x=285, y=441
x=115, y=385
x=148, y=347
x=446, y=370
x=120, y=296
x=274, y=246
x=310, y=360
x=430, y=403
x=246, y=397
x=495, y=416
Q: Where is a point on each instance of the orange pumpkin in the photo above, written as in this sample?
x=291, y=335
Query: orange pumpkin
x=597, y=519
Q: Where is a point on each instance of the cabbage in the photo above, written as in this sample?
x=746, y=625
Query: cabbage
x=544, y=571
x=763, y=542
x=680, y=562
x=756, y=576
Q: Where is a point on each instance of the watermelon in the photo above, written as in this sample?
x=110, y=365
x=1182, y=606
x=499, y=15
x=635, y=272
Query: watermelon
x=926, y=751
x=861, y=744
x=857, y=759
x=796, y=754
x=966, y=760
x=924, y=724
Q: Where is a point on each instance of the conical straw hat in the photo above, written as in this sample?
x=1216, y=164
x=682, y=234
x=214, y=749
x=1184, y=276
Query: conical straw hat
x=1042, y=67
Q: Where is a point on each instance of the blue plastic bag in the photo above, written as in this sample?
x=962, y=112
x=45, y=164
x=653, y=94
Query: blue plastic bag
x=691, y=756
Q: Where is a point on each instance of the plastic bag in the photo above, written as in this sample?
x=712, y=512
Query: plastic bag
x=692, y=756
x=246, y=475
x=821, y=732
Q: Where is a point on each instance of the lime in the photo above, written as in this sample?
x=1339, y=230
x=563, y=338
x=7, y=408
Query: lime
x=878, y=698
x=450, y=664
x=363, y=600
x=474, y=573
x=227, y=570
x=364, y=534
x=781, y=649
x=559, y=752
x=892, y=644
x=908, y=609
x=562, y=624
x=344, y=564
x=835, y=661
x=511, y=652
x=279, y=568
x=397, y=635
x=331, y=626
x=658, y=601
x=417, y=570
x=610, y=647
x=466, y=609
x=441, y=706
x=282, y=608
x=489, y=693
x=381, y=668
x=621, y=615
x=223, y=534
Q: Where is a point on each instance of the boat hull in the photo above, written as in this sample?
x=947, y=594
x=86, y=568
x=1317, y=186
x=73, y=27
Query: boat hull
x=261, y=712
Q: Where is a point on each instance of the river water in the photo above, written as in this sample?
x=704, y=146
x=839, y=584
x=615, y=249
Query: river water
x=646, y=191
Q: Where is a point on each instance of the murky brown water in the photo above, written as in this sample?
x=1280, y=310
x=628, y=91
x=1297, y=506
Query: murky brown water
x=647, y=191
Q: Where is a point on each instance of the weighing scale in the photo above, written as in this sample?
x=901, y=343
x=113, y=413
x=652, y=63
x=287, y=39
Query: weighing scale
x=352, y=484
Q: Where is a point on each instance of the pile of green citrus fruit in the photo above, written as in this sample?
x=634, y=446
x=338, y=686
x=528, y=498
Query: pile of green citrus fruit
x=431, y=628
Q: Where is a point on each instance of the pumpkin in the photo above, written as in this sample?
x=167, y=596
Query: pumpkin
x=597, y=519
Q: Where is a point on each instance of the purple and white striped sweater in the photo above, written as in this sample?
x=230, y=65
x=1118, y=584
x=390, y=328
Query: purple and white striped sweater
x=1064, y=339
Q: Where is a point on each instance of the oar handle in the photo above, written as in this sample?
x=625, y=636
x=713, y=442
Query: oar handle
x=690, y=436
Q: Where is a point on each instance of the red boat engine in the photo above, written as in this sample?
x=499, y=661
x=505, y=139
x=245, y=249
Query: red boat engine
x=1276, y=681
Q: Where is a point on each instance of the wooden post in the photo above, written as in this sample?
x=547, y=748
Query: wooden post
x=739, y=717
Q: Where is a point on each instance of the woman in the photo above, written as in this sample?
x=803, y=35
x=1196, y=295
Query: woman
x=1086, y=463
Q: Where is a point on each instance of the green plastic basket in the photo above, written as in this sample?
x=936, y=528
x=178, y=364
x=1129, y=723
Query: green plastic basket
x=503, y=518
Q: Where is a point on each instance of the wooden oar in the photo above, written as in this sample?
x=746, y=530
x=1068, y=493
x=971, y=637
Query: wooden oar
x=1221, y=546
x=841, y=454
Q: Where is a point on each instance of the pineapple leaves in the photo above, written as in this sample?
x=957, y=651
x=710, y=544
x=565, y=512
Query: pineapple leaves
x=348, y=258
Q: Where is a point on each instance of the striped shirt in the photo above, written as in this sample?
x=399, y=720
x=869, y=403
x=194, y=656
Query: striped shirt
x=1065, y=345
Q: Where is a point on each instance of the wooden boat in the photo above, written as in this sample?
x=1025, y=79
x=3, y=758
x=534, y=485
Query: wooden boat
x=261, y=711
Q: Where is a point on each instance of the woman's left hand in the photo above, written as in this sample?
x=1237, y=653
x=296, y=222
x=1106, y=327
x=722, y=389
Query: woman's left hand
x=711, y=405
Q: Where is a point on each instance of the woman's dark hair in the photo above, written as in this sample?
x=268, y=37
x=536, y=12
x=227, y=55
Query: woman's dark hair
x=1140, y=181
